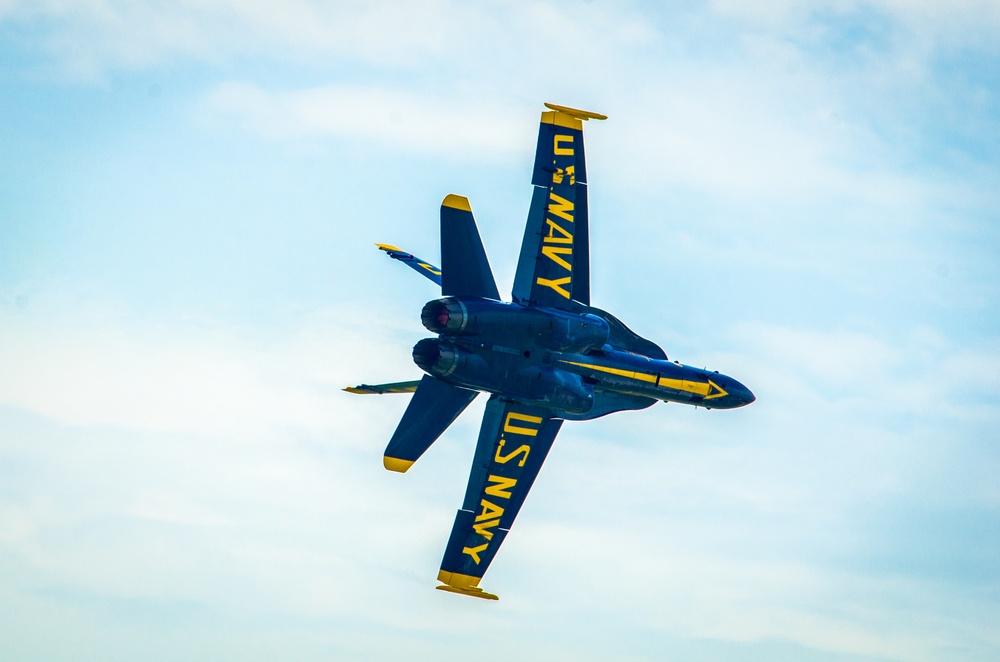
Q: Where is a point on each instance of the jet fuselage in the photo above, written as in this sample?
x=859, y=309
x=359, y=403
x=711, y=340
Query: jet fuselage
x=559, y=360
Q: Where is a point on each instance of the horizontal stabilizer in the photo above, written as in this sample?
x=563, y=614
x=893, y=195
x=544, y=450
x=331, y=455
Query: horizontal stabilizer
x=434, y=406
x=379, y=389
x=422, y=267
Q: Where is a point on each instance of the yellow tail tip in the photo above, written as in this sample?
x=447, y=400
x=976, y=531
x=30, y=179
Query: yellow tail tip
x=456, y=202
x=396, y=464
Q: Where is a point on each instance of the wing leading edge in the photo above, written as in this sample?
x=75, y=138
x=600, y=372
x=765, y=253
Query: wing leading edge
x=554, y=263
x=513, y=442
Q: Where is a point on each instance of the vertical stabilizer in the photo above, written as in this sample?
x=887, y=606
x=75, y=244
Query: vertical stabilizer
x=465, y=270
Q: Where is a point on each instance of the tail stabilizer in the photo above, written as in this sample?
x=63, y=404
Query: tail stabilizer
x=423, y=268
x=465, y=269
x=434, y=406
x=379, y=389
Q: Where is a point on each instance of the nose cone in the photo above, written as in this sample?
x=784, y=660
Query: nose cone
x=741, y=395
x=737, y=395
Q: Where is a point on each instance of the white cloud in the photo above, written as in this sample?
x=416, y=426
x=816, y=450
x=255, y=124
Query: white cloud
x=449, y=127
x=93, y=36
x=99, y=368
x=919, y=374
x=950, y=20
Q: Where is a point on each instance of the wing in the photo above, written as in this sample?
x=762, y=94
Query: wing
x=423, y=268
x=554, y=264
x=435, y=405
x=513, y=442
x=395, y=387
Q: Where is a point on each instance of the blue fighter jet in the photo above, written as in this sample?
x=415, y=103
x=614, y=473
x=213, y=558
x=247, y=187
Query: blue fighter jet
x=545, y=357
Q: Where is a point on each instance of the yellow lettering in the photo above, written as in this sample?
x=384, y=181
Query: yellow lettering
x=563, y=151
x=474, y=551
x=556, y=284
x=560, y=174
x=484, y=528
x=489, y=511
x=429, y=268
x=500, y=486
x=504, y=459
x=550, y=238
x=551, y=253
x=518, y=429
x=561, y=207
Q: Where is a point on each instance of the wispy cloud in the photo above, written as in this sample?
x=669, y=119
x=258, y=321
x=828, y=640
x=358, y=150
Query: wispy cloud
x=448, y=126
x=801, y=196
x=98, y=368
x=91, y=37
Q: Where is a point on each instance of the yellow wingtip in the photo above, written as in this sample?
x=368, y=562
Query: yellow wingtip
x=456, y=202
x=471, y=592
x=388, y=247
x=575, y=112
x=396, y=464
x=454, y=582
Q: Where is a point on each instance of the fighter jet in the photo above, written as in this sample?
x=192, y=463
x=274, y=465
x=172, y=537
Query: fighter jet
x=545, y=357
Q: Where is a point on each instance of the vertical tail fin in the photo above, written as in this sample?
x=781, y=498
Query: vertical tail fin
x=465, y=270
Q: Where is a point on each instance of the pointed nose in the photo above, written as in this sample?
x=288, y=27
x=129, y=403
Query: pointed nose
x=737, y=395
x=742, y=396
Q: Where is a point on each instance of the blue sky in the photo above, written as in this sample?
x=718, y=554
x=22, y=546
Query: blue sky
x=803, y=197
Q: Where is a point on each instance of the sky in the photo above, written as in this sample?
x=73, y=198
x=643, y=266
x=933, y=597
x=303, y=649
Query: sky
x=801, y=195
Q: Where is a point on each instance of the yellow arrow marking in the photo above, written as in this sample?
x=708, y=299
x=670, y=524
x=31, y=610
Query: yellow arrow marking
x=709, y=390
x=721, y=393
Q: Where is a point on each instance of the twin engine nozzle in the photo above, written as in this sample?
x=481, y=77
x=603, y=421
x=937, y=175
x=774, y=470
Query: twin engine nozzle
x=513, y=325
x=436, y=357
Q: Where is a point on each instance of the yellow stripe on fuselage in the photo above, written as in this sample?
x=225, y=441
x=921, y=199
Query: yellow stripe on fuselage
x=700, y=388
x=631, y=374
x=708, y=390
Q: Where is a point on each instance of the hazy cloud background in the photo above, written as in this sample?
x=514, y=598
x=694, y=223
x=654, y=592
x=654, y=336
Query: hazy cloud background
x=801, y=196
